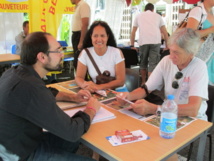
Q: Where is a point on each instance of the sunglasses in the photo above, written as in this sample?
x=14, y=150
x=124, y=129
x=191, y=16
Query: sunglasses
x=178, y=76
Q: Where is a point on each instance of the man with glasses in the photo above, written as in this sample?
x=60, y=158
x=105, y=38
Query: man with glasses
x=180, y=74
x=27, y=107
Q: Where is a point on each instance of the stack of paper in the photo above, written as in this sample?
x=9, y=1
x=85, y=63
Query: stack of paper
x=67, y=105
x=101, y=115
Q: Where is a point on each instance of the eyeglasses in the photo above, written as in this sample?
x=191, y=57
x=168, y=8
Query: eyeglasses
x=59, y=50
x=178, y=76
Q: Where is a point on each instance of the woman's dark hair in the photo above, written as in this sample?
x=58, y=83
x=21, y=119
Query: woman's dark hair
x=33, y=44
x=111, y=40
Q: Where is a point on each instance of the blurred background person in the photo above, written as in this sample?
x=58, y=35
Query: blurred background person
x=150, y=25
x=80, y=22
x=206, y=51
x=21, y=36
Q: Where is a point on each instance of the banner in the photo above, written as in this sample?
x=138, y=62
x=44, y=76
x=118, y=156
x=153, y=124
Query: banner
x=14, y=6
x=64, y=7
x=45, y=15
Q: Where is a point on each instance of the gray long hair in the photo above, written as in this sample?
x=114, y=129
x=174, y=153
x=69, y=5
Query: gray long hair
x=187, y=39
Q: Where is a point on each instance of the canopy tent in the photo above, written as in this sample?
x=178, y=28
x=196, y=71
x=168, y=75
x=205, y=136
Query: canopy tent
x=188, y=1
x=136, y=2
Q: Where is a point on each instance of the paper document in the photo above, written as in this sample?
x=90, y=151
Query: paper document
x=115, y=141
x=67, y=105
x=101, y=115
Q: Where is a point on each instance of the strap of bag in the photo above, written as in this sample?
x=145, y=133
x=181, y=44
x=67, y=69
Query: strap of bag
x=93, y=62
x=200, y=23
x=185, y=19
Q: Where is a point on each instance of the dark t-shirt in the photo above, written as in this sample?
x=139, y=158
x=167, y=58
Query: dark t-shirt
x=27, y=107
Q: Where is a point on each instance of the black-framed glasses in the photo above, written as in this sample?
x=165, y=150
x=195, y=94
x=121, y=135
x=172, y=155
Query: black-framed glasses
x=178, y=76
x=59, y=50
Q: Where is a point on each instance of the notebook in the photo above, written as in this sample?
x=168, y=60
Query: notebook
x=102, y=115
x=67, y=105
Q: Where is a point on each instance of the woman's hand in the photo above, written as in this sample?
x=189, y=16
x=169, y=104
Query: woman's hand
x=91, y=86
x=121, y=97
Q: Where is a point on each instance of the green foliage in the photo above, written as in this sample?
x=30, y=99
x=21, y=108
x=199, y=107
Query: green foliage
x=65, y=28
x=26, y=16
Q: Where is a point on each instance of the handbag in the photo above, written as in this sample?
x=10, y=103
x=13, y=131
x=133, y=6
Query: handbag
x=100, y=78
x=183, y=23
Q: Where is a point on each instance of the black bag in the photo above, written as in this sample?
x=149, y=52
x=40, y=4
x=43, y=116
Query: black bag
x=101, y=78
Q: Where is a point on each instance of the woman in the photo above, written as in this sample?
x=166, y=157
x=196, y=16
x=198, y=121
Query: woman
x=179, y=74
x=101, y=44
x=206, y=51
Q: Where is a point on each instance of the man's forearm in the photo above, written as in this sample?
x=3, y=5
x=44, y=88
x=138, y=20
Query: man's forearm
x=63, y=96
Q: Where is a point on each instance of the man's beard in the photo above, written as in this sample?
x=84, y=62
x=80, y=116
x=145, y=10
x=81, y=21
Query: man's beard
x=59, y=67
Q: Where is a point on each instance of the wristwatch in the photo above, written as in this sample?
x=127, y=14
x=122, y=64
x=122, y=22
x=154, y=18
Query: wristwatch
x=158, y=112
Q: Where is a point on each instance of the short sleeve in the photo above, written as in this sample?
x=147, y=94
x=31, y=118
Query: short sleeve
x=82, y=58
x=118, y=56
x=196, y=13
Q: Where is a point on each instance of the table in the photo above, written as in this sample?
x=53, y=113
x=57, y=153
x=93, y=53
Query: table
x=156, y=148
x=9, y=58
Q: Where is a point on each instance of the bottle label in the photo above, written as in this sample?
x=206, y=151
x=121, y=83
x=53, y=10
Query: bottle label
x=168, y=125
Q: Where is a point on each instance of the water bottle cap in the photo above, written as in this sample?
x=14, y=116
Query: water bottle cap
x=170, y=97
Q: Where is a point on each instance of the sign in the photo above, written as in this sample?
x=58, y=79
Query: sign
x=64, y=7
x=45, y=15
x=14, y=6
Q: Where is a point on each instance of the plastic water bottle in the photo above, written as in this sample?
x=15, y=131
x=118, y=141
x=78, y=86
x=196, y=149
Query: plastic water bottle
x=168, y=120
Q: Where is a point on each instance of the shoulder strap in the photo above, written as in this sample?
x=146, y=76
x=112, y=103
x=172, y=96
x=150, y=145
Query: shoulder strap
x=200, y=23
x=93, y=62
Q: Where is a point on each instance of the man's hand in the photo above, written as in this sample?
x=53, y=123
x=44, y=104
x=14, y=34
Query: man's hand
x=83, y=96
x=94, y=103
x=142, y=107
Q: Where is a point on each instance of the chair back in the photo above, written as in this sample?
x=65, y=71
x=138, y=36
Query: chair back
x=63, y=43
x=131, y=57
x=132, y=79
x=210, y=104
x=13, y=49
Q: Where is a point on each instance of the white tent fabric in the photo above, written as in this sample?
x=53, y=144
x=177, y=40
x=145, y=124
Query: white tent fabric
x=10, y=26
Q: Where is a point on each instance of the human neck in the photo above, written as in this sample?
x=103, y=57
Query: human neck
x=100, y=51
x=207, y=7
x=41, y=71
x=185, y=64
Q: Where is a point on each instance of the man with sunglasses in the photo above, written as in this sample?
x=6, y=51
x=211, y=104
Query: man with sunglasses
x=27, y=107
x=180, y=74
